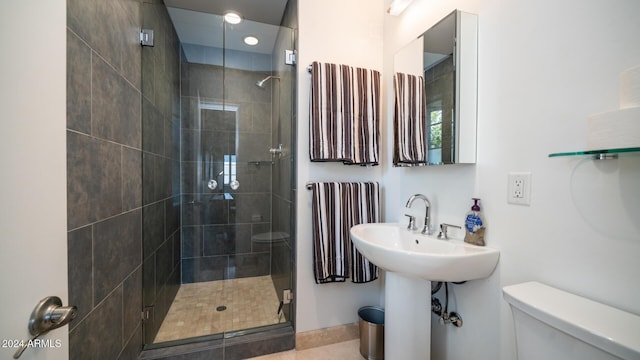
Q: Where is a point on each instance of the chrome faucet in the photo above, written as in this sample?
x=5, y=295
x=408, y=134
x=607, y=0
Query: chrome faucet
x=427, y=226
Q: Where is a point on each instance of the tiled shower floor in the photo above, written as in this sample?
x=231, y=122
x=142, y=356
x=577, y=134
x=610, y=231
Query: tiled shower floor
x=250, y=302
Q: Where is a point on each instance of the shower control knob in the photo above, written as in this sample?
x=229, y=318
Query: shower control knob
x=212, y=184
x=234, y=184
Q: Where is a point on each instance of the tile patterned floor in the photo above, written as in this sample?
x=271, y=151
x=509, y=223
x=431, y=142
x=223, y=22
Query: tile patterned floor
x=250, y=302
x=348, y=350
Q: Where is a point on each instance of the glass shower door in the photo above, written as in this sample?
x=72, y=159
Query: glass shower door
x=235, y=258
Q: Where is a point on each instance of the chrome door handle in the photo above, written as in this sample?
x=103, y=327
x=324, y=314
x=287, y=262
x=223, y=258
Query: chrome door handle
x=49, y=314
x=277, y=150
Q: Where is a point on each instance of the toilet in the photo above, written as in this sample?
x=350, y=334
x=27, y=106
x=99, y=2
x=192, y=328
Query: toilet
x=554, y=324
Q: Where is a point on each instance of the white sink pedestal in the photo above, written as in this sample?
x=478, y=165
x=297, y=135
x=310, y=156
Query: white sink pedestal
x=407, y=317
x=409, y=258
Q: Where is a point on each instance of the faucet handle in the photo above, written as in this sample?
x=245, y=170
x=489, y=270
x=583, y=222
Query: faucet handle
x=412, y=222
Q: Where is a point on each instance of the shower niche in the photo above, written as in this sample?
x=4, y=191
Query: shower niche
x=219, y=254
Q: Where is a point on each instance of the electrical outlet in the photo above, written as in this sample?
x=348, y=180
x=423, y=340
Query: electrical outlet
x=519, y=188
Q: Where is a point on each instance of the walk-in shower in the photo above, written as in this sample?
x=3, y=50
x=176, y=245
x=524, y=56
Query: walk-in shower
x=221, y=266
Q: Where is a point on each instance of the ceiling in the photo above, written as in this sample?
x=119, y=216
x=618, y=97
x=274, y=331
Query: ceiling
x=262, y=11
x=199, y=22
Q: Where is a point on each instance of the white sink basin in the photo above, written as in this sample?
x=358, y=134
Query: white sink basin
x=392, y=247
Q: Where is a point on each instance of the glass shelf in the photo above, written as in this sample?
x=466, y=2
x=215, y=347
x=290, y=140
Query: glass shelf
x=598, y=154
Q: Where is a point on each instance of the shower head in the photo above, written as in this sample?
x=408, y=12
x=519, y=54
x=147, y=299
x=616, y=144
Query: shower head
x=261, y=83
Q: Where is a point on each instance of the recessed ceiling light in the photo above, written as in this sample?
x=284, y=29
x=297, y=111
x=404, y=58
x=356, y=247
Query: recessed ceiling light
x=232, y=17
x=251, y=40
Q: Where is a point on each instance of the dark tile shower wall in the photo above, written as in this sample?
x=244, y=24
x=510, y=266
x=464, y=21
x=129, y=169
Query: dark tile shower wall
x=219, y=225
x=161, y=167
x=106, y=200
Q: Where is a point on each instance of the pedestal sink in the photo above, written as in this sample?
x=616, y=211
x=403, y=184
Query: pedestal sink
x=411, y=261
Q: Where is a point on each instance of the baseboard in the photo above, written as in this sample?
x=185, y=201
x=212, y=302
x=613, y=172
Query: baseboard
x=327, y=336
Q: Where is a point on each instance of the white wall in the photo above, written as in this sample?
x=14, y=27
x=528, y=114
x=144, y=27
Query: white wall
x=342, y=32
x=544, y=66
x=33, y=222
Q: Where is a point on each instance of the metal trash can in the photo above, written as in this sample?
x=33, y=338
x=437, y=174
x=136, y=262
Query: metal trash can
x=371, y=332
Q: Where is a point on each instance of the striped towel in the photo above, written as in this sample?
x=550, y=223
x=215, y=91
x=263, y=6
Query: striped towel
x=336, y=208
x=344, y=114
x=409, y=120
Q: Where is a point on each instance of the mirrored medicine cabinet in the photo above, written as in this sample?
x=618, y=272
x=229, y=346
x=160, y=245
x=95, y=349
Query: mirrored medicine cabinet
x=446, y=55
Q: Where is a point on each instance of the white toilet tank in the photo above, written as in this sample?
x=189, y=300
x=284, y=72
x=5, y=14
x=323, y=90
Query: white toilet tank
x=553, y=324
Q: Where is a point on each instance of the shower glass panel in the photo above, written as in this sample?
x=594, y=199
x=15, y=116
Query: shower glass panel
x=232, y=254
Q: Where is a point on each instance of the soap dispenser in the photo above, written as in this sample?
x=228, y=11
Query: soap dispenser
x=474, y=225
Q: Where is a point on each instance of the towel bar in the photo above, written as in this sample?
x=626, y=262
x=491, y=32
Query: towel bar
x=309, y=185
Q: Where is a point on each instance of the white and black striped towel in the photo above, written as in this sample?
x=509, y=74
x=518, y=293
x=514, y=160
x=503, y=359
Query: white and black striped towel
x=409, y=121
x=336, y=208
x=344, y=114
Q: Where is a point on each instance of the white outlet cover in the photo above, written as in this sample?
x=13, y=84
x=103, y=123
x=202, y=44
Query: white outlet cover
x=520, y=196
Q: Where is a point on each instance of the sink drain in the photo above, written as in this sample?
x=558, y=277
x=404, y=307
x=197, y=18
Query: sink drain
x=221, y=308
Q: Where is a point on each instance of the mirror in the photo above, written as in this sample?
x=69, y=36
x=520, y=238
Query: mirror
x=446, y=56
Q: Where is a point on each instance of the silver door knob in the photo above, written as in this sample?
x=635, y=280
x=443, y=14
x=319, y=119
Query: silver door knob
x=49, y=314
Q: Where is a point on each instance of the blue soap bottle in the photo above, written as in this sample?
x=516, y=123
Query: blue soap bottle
x=474, y=225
